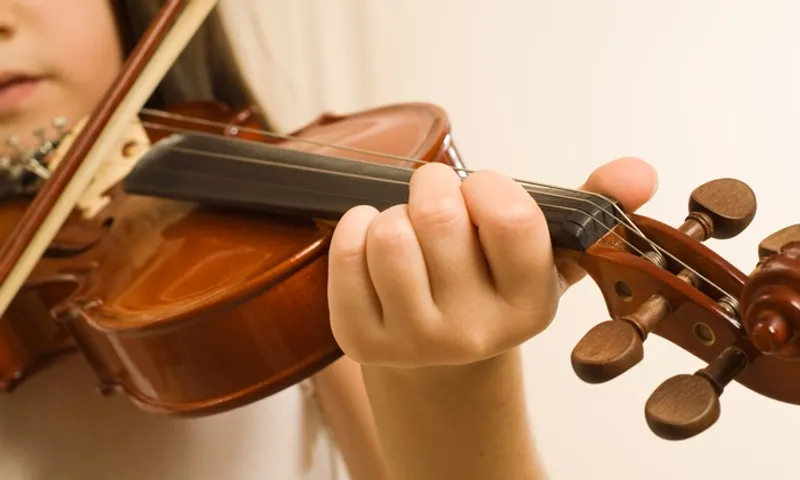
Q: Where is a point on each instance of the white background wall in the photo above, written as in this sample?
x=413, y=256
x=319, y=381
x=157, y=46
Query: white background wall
x=548, y=90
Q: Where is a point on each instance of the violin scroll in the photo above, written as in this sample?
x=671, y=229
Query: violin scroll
x=686, y=405
x=771, y=297
x=720, y=208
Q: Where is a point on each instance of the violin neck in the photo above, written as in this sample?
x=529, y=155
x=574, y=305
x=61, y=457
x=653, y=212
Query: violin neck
x=216, y=170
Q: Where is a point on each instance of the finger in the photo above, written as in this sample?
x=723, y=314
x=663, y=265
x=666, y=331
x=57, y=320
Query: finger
x=354, y=306
x=397, y=266
x=514, y=236
x=629, y=180
x=445, y=232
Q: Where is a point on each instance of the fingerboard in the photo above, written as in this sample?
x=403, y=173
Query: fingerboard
x=216, y=170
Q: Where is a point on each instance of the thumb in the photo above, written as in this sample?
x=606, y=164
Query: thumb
x=631, y=181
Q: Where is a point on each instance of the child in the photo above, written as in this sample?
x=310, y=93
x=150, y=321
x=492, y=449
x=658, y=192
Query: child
x=432, y=307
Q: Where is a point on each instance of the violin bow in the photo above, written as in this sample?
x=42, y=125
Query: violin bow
x=165, y=39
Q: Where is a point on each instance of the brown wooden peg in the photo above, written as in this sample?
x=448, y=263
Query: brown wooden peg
x=724, y=207
x=720, y=209
x=686, y=405
x=613, y=347
x=773, y=244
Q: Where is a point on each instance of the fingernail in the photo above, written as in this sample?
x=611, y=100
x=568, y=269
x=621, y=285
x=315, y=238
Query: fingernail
x=655, y=184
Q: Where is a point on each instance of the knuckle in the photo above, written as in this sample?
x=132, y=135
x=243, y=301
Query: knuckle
x=391, y=234
x=431, y=332
x=441, y=212
x=474, y=346
x=346, y=253
x=455, y=339
x=516, y=216
x=424, y=334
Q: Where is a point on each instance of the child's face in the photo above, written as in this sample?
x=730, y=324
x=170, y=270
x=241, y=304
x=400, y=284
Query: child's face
x=57, y=58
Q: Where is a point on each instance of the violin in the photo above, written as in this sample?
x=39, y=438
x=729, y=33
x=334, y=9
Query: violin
x=183, y=254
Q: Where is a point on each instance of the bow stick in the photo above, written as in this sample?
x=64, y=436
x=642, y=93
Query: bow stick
x=155, y=53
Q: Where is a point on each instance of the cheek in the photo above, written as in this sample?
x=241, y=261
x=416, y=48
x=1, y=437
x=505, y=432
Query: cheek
x=74, y=43
x=81, y=57
x=86, y=55
x=90, y=61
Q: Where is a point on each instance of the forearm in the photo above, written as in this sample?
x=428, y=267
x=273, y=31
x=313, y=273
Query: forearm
x=346, y=409
x=465, y=423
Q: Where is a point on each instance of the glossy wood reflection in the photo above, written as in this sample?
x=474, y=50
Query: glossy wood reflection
x=192, y=309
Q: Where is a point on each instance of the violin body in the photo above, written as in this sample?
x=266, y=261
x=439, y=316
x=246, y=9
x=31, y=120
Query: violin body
x=191, y=309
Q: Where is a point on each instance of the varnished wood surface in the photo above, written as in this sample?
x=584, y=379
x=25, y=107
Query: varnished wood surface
x=193, y=309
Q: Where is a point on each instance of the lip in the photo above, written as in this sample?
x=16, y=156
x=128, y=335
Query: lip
x=16, y=88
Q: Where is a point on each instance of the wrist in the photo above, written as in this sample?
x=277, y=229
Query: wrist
x=504, y=370
x=467, y=421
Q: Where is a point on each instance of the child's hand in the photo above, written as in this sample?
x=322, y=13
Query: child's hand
x=462, y=273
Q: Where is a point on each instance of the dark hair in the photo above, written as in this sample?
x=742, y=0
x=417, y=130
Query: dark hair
x=206, y=69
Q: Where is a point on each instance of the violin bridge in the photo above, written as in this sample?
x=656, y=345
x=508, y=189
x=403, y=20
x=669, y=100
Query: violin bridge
x=130, y=149
x=24, y=173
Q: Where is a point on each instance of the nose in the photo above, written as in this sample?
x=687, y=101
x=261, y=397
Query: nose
x=7, y=19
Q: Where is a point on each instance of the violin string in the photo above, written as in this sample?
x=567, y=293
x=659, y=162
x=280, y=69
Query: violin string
x=620, y=213
x=221, y=125
x=606, y=228
x=202, y=153
x=405, y=159
x=532, y=186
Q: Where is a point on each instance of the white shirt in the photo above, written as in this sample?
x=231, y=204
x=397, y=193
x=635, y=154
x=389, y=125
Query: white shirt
x=57, y=426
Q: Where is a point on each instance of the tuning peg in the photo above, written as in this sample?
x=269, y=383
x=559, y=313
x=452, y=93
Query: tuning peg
x=60, y=124
x=686, y=405
x=721, y=209
x=773, y=244
x=613, y=347
x=40, y=135
x=14, y=142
